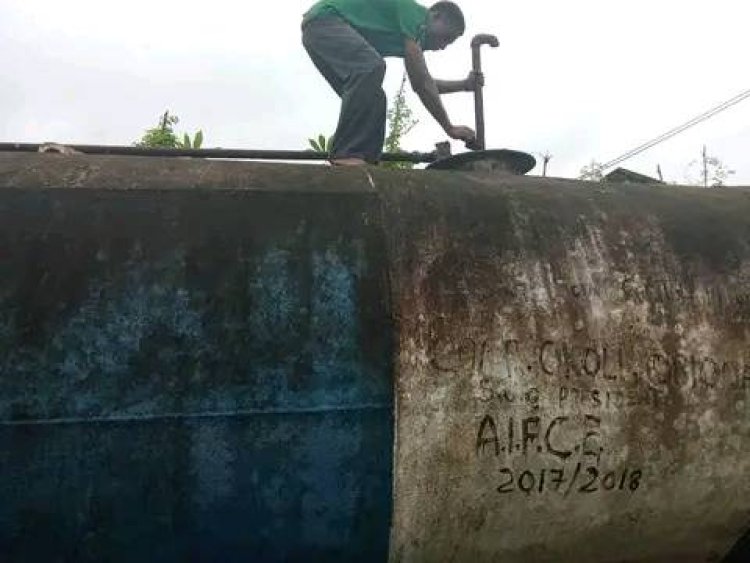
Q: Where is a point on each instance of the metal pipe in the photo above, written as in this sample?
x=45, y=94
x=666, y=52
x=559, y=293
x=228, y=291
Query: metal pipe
x=476, y=66
x=415, y=157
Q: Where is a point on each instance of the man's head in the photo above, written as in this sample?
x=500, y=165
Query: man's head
x=445, y=24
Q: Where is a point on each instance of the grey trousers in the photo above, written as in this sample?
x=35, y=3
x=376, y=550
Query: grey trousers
x=355, y=70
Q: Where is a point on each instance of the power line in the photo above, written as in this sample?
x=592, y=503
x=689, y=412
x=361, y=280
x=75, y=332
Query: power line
x=672, y=132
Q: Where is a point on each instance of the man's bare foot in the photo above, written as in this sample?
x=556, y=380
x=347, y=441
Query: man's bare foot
x=348, y=162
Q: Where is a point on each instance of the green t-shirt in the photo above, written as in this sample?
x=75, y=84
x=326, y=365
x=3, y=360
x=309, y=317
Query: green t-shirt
x=385, y=24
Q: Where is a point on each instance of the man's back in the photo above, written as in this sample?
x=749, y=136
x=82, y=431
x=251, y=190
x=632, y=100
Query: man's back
x=384, y=23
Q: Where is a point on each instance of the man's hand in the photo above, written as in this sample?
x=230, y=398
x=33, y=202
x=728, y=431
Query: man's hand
x=474, y=80
x=461, y=133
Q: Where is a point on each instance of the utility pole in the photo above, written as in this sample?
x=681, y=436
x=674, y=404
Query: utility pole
x=705, y=168
x=546, y=158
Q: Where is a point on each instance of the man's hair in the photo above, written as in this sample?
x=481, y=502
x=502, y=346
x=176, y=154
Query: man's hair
x=451, y=12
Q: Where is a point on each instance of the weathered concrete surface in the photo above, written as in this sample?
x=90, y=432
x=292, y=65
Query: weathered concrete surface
x=197, y=360
x=195, y=363
x=574, y=370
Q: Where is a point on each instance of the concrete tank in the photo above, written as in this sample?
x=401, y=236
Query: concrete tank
x=231, y=361
x=573, y=377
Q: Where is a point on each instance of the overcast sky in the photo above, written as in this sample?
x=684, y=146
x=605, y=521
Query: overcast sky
x=581, y=79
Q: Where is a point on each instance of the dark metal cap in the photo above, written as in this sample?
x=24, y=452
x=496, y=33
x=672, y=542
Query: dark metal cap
x=498, y=161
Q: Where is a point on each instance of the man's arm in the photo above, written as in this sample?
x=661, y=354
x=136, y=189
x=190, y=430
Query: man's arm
x=450, y=86
x=466, y=85
x=427, y=90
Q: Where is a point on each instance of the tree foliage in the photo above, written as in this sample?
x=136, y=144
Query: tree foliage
x=400, y=122
x=708, y=171
x=164, y=136
x=592, y=172
x=321, y=144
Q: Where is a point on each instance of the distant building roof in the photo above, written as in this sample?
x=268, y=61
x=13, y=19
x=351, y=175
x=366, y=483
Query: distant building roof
x=621, y=175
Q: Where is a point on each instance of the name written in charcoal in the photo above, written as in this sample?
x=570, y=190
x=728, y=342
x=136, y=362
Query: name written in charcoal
x=561, y=436
x=511, y=360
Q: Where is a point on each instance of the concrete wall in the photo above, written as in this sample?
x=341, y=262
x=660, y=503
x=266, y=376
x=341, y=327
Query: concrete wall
x=574, y=371
x=198, y=358
x=195, y=364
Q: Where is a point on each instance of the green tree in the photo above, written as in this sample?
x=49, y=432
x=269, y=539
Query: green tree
x=400, y=122
x=592, y=172
x=164, y=136
x=708, y=171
